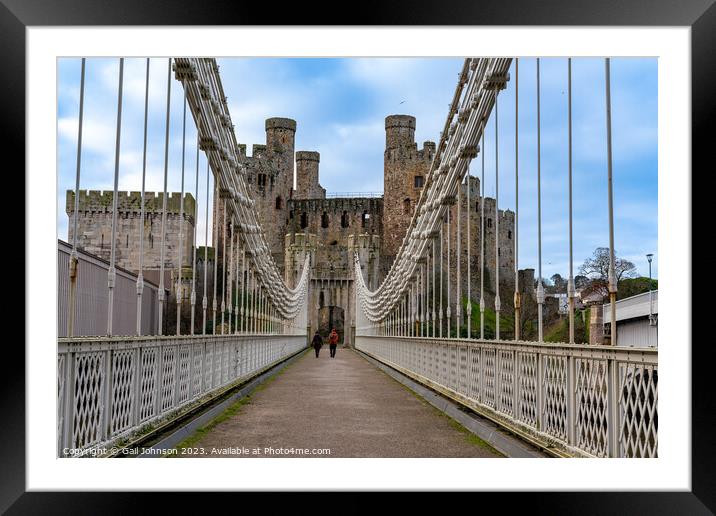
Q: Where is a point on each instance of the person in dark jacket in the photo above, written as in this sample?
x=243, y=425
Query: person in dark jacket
x=333, y=342
x=317, y=343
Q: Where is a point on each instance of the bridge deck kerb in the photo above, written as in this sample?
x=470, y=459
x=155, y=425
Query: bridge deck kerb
x=345, y=405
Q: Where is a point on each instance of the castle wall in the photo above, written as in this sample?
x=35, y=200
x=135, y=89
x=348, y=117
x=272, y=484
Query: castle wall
x=506, y=257
x=341, y=216
x=94, y=227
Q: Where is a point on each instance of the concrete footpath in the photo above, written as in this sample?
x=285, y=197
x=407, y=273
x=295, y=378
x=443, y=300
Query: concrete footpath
x=340, y=407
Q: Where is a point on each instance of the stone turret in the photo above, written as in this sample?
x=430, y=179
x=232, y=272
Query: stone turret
x=307, y=185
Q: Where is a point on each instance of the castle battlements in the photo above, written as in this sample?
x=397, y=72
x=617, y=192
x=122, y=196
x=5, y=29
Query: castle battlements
x=337, y=204
x=281, y=123
x=102, y=201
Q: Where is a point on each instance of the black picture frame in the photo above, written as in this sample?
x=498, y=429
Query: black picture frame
x=699, y=15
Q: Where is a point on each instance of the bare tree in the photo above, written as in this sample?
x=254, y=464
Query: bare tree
x=596, y=268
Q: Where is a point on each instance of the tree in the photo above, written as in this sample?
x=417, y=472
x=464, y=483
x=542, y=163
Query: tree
x=580, y=281
x=596, y=268
x=560, y=284
x=633, y=286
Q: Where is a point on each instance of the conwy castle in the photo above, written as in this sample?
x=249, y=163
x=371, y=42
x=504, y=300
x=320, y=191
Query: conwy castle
x=303, y=220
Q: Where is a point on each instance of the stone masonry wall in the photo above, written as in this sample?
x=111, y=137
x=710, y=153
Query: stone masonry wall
x=94, y=227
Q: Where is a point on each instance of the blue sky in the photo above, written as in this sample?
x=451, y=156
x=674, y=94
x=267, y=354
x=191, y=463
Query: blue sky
x=340, y=105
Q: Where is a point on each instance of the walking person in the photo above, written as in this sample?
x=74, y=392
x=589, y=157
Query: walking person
x=317, y=342
x=333, y=342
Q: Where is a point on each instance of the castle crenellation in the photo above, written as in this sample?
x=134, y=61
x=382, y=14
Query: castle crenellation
x=100, y=201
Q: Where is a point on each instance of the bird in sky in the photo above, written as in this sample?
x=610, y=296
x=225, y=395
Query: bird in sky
x=402, y=101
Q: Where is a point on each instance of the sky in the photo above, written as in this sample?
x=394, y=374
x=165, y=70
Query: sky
x=340, y=105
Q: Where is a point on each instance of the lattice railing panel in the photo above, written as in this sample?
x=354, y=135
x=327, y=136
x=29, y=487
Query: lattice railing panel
x=168, y=377
x=197, y=372
x=489, y=359
x=464, y=368
x=592, y=406
x=147, y=383
x=474, y=391
x=506, y=381
x=88, y=403
x=528, y=388
x=209, y=365
x=638, y=400
x=554, y=412
x=184, y=380
x=123, y=368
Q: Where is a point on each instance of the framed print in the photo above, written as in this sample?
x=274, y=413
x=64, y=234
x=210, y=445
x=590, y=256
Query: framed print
x=365, y=257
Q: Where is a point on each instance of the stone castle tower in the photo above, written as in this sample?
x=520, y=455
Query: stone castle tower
x=269, y=177
x=404, y=170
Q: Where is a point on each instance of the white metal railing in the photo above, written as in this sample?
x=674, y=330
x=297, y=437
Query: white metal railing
x=112, y=388
x=594, y=401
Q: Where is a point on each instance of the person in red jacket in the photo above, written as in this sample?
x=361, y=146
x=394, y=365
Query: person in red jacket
x=333, y=342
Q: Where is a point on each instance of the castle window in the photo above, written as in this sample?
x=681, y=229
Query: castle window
x=151, y=240
x=364, y=218
x=279, y=203
x=477, y=206
x=272, y=178
x=127, y=244
x=509, y=234
x=320, y=300
x=489, y=223
x=324, y=220
x=345, y=220
x=304, y=220
x=406, y=206
x=101, y=241
x=262, y=180
x=419, y=181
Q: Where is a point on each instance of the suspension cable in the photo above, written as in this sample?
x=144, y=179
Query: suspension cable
x=179, y=293
x=497, y=225
x=540, y=287
x=517, y=204
x=612, y=274
x=204, y=302
x=482, y=243
x=73, y=255
x=570, y=281
x=196, y=219
x=111, y=273
x=140, y=276
x=164, y=199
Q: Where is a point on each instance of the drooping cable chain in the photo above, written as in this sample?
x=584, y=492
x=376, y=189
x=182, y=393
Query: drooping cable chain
x=478, y=84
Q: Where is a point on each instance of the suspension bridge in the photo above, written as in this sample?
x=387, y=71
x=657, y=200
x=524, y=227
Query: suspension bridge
x=137, y=378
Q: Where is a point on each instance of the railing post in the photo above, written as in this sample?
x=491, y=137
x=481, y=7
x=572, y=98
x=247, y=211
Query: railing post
x=612, y=407
x=516, y=385
x=136, y=385
x=158, y=385
x=540, y=390
x=571, y=401
x=69, y=394
x=106, y=418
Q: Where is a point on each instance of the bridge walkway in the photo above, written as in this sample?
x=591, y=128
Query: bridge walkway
x=345, y=405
